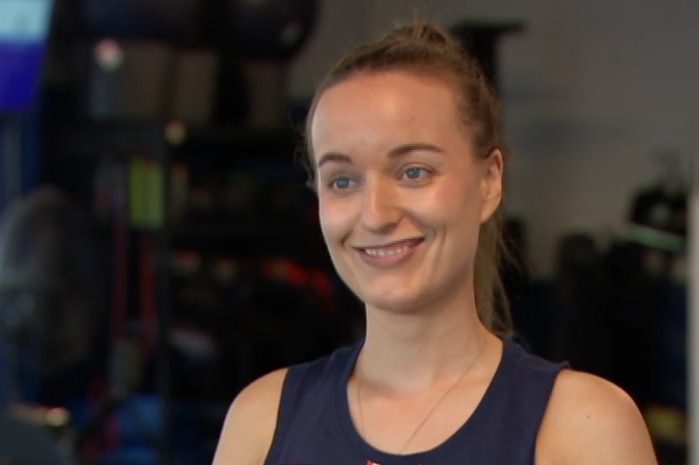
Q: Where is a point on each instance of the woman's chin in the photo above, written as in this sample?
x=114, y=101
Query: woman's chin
x=395, y=302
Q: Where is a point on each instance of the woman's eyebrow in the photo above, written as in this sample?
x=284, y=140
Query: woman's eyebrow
x=413, y=147
x=398, y=151
x=332, y=156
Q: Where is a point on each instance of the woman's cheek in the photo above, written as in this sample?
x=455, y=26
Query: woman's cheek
x=335, y=218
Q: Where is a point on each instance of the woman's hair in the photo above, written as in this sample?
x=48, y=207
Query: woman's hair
x=428, y=49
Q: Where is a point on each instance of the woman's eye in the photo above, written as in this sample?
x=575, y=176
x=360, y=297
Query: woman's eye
x=415, y=173
x=341, y=183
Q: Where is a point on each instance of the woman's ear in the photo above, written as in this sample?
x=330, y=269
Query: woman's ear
x=491, y=183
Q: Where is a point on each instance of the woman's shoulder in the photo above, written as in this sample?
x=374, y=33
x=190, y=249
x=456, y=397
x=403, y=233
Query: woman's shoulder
x=252, y=418
x=589, y=420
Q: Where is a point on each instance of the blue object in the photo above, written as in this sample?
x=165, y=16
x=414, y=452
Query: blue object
x=24, y=28
x=24, y=31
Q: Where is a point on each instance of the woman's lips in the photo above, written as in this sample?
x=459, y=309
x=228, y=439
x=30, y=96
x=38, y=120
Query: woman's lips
x=389, y=254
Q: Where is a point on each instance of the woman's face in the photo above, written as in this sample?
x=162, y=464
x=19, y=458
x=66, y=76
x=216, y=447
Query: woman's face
x=402, y=193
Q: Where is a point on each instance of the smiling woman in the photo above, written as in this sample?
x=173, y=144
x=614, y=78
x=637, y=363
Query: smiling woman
x=432, y=55
x=407, y=161
x=366, y=138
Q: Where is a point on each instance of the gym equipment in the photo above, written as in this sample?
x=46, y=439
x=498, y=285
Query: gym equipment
x=148, y=80
x=48, y=317
x=261, y=37
x=136, y=41
x=26, y=437
x=140, y=19
x=49, y=289
x=270, y=29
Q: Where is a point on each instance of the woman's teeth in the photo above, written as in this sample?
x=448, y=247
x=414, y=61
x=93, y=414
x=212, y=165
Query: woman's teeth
x=386, y=252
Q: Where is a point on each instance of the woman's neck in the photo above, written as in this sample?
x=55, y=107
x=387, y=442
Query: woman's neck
x=407, y=351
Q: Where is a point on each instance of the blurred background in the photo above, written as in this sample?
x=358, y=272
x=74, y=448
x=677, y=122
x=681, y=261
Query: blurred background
x=159, y=249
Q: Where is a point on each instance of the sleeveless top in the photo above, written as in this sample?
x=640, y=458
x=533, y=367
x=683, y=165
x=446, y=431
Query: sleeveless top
x=314, y=426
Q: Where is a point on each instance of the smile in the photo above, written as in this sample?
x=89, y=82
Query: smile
x=385, y=252
x=390, y=253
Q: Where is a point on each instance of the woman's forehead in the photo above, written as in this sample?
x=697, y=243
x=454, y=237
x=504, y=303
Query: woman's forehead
x=387, y=103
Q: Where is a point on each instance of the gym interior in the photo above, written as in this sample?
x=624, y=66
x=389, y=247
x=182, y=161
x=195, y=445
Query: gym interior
x=159, y=248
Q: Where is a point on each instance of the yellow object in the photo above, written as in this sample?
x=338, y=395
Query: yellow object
x=146, y=193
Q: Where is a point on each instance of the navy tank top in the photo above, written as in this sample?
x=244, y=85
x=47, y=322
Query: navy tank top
x=314, y=426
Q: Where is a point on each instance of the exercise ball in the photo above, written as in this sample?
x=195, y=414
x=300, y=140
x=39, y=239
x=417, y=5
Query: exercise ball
x=50, y=285
x=270, y=29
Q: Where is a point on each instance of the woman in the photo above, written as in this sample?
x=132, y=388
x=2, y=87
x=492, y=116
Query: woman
x=408, y=164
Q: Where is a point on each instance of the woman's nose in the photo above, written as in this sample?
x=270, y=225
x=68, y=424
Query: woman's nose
x=381, y=209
